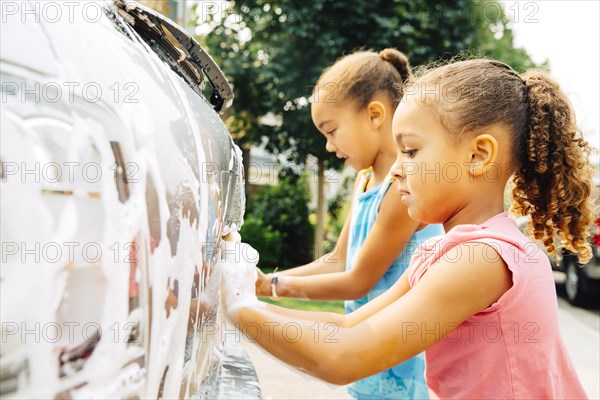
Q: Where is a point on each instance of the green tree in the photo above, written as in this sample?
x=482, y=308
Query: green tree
x=274, y=51
x=495, y=38
x=281, y=208
x=264, y=239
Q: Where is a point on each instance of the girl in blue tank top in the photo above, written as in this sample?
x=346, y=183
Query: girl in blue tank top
x=404, y=380
x=352, y=105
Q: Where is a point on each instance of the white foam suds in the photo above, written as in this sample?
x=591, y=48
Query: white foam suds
x=137, y=283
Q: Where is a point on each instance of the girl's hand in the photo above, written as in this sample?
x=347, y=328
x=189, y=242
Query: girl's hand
x=263, y=283
x=237, y=263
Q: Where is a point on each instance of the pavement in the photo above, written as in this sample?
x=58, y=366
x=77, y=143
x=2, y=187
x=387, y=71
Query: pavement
x=579, y=329
x=279, y=382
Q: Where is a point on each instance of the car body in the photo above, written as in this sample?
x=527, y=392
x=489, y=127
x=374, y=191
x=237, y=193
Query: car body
x=118, y=180
x=582, y=282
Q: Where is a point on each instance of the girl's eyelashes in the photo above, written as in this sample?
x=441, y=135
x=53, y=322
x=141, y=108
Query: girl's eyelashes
x=331, y=132
x=409, y=152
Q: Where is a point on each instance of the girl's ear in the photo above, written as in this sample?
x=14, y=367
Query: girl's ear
x=484, y=151
x=376, y=112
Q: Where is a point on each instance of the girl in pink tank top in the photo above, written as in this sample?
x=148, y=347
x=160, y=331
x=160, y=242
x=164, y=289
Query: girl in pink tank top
x=480, y=301
x=501, y=336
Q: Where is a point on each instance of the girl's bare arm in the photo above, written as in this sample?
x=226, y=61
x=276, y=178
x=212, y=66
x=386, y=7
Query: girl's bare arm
x=392, y=330
x=386, y=240
x=332, y=262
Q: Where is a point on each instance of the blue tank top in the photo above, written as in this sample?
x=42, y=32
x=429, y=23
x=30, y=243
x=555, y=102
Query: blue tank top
x=406, y=380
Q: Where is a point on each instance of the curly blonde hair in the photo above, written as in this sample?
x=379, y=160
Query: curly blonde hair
x=551, y=160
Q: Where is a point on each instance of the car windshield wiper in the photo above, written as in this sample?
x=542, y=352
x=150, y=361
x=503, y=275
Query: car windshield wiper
x=181, y=51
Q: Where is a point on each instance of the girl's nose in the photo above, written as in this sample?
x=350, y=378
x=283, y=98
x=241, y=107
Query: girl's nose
x=329, y=146
x=397, y=169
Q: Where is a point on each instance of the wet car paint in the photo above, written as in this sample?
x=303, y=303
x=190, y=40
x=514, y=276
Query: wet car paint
x=118, y=181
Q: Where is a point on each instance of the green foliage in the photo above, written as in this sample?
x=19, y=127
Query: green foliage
x=336, y=204
x=494, y=37
x=338, y=209
x=274, y=51
x=313, y=305
x=264, y=239
x=282, y=208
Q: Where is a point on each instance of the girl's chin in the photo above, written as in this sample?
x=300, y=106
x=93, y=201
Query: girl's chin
x=422, y=216
x=414, y=213
x=349, y=163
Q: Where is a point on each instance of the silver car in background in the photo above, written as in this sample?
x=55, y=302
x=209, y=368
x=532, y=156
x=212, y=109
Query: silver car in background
x=118, y=180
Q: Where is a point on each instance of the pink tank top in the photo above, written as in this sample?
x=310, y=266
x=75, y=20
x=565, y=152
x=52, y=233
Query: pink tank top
x=512, y=349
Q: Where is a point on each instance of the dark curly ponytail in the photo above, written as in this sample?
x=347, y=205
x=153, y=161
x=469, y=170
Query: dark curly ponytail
x=553, y=183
